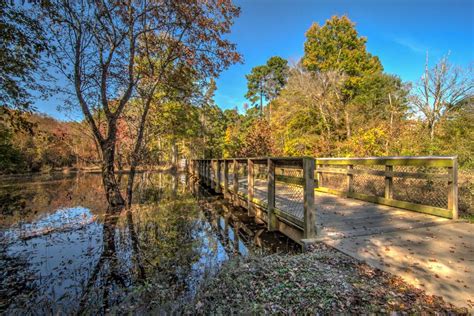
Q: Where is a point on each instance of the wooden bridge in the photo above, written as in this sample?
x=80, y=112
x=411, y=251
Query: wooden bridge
x=311, y=199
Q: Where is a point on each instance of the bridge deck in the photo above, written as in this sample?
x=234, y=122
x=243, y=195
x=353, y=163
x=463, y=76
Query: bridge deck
x=339, y=217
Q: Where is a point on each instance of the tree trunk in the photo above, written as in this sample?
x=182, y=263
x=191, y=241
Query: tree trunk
x=112, y=190
x=135, y=158
x=348, y=123
x=119, y=157
x=432, y=125
x=174, y=152
x=390, y=132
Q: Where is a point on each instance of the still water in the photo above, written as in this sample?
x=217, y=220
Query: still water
x=60, y=252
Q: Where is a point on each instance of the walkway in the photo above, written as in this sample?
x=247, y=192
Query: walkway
x=430, y=252
x=339, y=217
x=438, y=259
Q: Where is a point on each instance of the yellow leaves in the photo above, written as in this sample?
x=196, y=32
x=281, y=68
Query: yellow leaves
x=369, y=142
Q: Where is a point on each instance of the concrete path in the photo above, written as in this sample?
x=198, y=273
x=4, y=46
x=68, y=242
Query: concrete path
x=438, y=259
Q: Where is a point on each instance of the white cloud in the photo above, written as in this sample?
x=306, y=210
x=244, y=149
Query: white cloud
x=412, y=44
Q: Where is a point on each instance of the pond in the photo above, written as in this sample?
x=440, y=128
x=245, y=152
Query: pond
x=60, y=252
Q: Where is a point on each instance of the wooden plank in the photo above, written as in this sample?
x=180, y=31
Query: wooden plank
x=319, y=177
x=211, y=174
x=453, y=190
x=293, y=233
x=250, y=184
x=393, y=161
x=289, y=179
x=426, y=209
x=288, y=218
x=382, y=173
x=272, y=220
x=350, y=179
x=379, y=219
x=402, y=204
x=208, y=173
x=218, y=177
x=419, y=175
x=365, y=213
x=331, y=191
x=235, y=185
x=309, y=217
x=332, y=170
x=203, y=170
x=226, y=177
x=388, y=182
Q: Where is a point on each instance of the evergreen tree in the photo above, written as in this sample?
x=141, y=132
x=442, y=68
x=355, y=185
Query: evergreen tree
x=266, y=81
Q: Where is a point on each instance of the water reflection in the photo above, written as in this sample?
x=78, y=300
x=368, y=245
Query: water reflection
x=62, y=252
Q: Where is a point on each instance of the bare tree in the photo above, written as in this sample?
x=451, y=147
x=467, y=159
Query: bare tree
x=97, y=44
x=321, y=91
x=440, y=91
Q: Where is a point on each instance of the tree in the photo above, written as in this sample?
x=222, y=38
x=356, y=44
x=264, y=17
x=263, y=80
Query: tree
x=258, y=141
x=277, y=76
x=456, y=134
x=175, y=122
x=336, y=46
x=256, y=85
x=98, y=44
x=266, y=81
x=176, y=82
x=22, y=43
x=381, y=103
x=440, y=91
x=308, y=114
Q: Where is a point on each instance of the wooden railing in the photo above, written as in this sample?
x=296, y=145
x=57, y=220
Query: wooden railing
x=423, y=184
x=235, y=178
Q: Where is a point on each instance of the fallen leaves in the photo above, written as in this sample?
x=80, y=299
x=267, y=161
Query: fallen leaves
x=323, y=281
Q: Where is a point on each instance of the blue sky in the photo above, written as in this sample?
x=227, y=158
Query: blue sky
x=398, y=31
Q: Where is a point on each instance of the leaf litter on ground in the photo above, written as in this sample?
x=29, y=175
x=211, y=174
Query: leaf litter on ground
x=323, y=280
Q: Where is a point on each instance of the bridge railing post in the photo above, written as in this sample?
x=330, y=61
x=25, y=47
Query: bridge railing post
x=199, y=170
x=218, y=176
x=226, y=178
x=235, y=187
x=208, y=173
x=350, y=178
x=309, y=220
x=388, y=182
x=453, y=188
x=250, y=187
x=203, y=162
x=272, y=219
x=212, y=174
x=319, y=179
x=203, y=172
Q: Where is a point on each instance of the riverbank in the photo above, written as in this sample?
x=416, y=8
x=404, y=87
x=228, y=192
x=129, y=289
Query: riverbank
x=7, y=176
x=321, y=281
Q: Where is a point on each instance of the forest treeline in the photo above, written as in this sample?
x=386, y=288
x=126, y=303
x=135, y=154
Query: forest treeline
x=336, y=101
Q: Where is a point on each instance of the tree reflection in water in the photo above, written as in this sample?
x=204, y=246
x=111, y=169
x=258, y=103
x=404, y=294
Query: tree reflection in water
x=72, y=256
